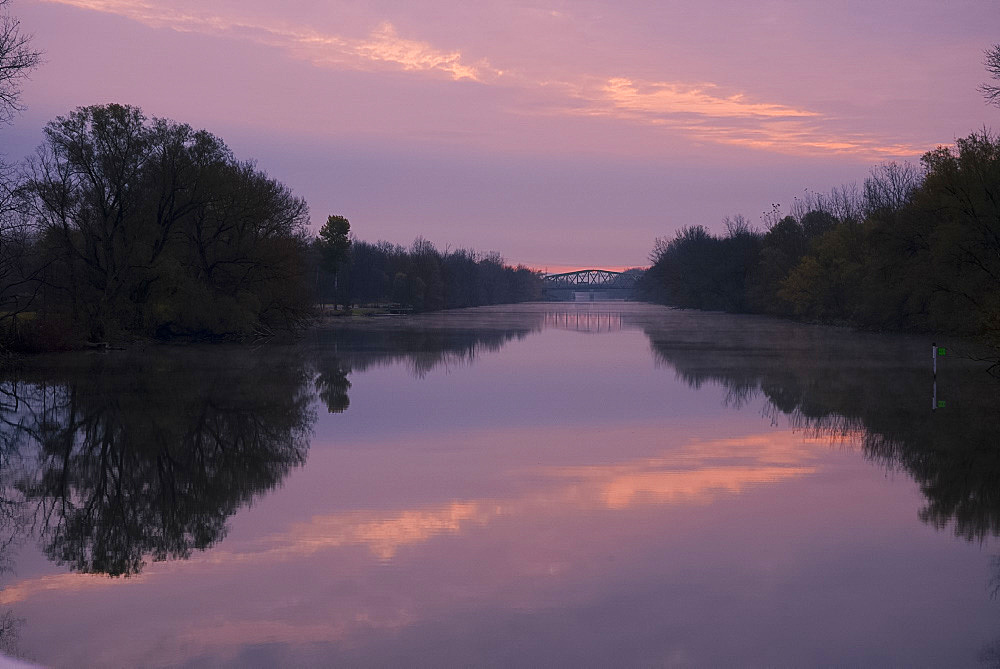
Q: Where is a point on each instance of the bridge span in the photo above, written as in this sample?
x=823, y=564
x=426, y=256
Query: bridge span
x=591, y=284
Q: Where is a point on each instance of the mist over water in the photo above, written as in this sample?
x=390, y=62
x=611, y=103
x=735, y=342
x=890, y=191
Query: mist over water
x=589, y=484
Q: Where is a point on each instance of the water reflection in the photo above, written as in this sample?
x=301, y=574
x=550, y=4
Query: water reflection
x=10, y=624
x=114, y=460
x=509, y=500
x=362, y=543
x=595, y=321
x=332, y=384
x=120, y=459
x=864, y=388
x=421, y=343
x=133, y=457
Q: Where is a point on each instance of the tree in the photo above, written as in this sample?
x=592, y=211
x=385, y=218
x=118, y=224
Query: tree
x=334, y=242
x=425, y=279
x=333, y=248
x=781, y=248
x=17, y=266
x=17, y=59
x=698, y=270
x=992, y=91
x=958, y=213
x=155, y=227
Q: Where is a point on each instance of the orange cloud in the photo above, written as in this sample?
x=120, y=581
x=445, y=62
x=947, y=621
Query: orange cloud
x=663, y=98
x=701, y=112
x=382, y=46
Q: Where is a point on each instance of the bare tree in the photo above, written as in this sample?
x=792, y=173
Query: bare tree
x=992, y=91
x=17, y=59
x=889, y=187
x=19, y=266
x=738, y=226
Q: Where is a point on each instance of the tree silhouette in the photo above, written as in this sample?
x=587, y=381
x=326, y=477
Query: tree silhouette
x=992, y=91
x=17, y=59
x=155, y=228
x=835, y=384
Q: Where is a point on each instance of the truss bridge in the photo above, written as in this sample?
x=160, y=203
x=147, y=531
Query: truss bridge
x=590, y=284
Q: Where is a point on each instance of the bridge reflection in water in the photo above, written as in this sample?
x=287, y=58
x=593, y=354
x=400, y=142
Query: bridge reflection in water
x=590, y=284
x=584, y=321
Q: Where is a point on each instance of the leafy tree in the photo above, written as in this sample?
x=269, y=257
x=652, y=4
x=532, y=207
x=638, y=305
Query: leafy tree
x=781, y=248
x=155, y=227
x=699, y=270
x=825, y=283
x=425, y=279
x=957, y=215
x=816, y=223
x=334, y=242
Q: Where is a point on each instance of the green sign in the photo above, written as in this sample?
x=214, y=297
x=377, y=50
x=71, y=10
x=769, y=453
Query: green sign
x=940, y=404
x=942, y=350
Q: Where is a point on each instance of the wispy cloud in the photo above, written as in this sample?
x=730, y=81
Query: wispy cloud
x=664, y=99
x=802, y=136
x=701, y=112
x=382, y=46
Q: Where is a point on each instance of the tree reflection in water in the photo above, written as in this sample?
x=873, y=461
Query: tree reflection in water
x=117, y=459
x=422, y=348
x=839, y=384
x=851, y=385
x=124, y=458
x=113, y=460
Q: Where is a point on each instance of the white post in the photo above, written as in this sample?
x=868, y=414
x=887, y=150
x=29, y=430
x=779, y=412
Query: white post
x=934, y=359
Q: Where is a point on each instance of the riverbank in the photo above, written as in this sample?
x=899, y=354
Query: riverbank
x=694, y=329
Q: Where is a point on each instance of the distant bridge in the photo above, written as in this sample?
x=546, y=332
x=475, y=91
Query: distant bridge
x=590, y=284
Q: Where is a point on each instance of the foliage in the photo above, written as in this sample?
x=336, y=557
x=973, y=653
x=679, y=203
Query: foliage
x=152, y=227
x=425, y=279
x=695, y=269
x=916, y=250
x=334, y=242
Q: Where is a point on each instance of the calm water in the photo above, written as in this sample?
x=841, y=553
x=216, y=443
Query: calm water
x=599, y=484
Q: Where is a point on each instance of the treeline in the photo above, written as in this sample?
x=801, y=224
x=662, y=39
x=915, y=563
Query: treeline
x=913, y=249
x=125, y=226
x=121, y=225
x=425, y=279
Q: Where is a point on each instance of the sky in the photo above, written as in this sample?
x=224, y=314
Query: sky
x=560, y=134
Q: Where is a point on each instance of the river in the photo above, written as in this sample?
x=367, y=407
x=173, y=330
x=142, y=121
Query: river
x=596, y=484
